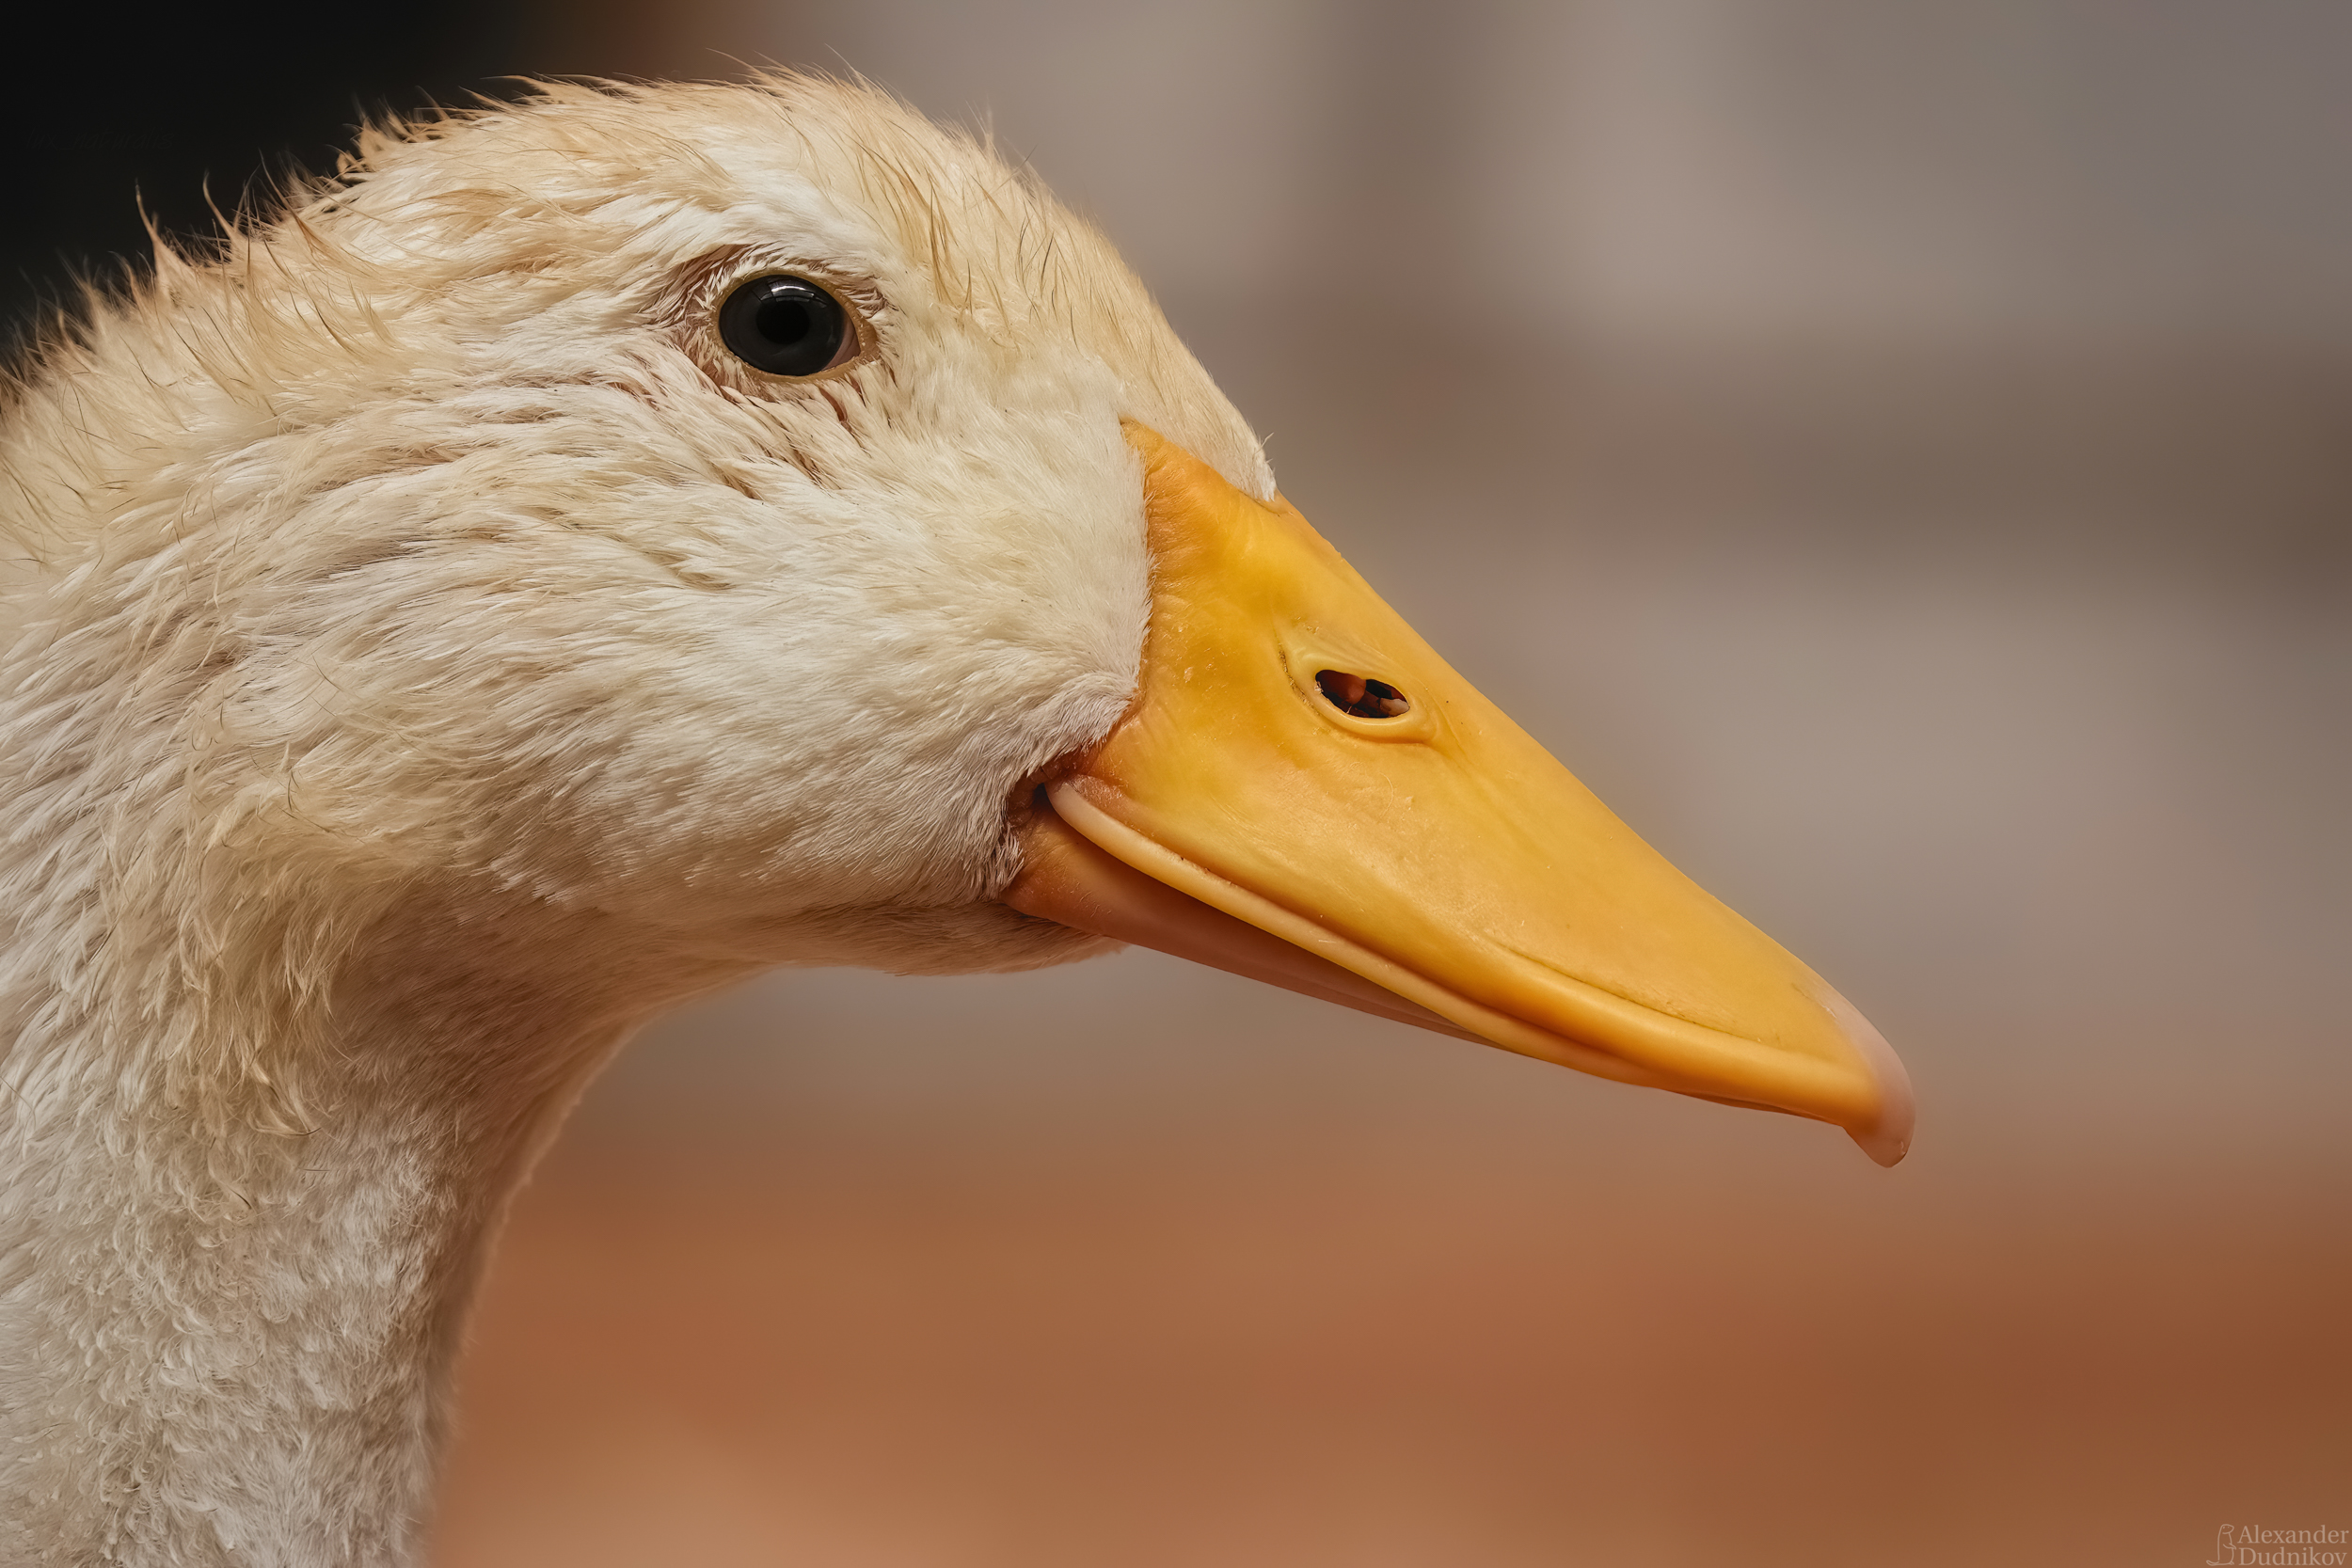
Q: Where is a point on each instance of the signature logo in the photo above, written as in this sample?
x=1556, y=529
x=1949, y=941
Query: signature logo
x=2258, y=1547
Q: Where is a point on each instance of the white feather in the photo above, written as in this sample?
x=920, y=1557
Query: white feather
x=428, y=655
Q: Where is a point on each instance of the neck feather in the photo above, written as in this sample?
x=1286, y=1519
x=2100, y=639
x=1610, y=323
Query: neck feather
x=238, y=1233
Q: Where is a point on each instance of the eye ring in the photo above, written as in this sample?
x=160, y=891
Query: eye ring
x=786, y=326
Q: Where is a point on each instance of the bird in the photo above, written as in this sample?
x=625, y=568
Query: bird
x=593, y=547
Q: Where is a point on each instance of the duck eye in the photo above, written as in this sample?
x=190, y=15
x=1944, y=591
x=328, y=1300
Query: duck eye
x=1359, y=696
x=787, y=326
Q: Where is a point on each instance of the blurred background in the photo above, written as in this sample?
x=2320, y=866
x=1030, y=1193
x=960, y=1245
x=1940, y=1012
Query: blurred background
x=1901, y=457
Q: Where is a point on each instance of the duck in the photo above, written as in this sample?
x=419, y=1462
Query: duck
x=590, y=549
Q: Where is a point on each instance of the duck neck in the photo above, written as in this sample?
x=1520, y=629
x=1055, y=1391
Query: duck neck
x=237, y=1243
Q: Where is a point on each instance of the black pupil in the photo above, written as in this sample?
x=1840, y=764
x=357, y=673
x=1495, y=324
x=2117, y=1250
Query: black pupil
x=783, y=326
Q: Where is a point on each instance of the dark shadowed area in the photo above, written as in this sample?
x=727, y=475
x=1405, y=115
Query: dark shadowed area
x=1901, y=459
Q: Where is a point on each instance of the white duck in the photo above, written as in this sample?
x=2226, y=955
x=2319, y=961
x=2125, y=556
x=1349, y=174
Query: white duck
x=587, y=553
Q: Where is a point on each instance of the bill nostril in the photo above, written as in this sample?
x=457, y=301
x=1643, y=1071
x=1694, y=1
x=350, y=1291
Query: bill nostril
x=1359, y=696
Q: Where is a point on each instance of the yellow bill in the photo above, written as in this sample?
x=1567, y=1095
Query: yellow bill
x=1304, y=792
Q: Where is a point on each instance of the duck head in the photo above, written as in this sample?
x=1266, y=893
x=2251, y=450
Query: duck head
x=714, y=525
x=585, y=553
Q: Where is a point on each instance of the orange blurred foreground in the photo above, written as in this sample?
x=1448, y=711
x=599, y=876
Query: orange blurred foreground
x=905, y=1353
